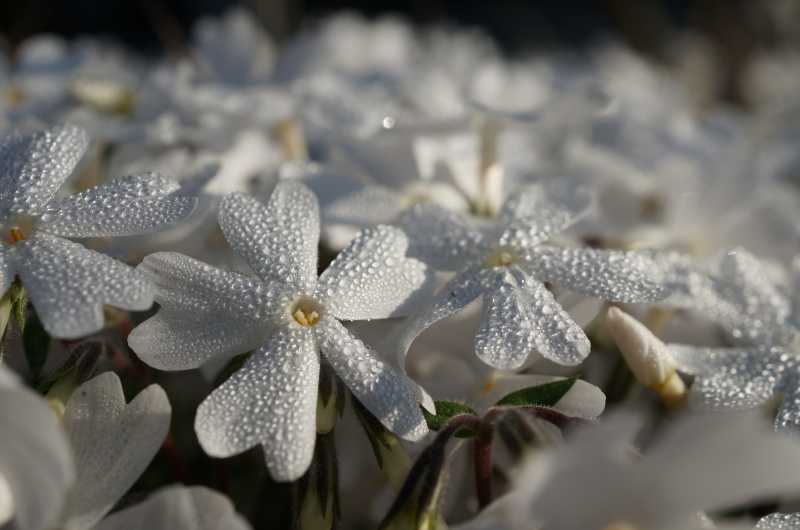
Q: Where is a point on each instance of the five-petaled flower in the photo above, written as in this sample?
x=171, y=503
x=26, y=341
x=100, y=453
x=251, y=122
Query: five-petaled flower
x=506, y=261
x=291, y=317
x=68, y=283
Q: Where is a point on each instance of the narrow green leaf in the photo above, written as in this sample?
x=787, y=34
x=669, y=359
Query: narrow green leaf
x=37, y=343
x=444, y=411
x=545, y=395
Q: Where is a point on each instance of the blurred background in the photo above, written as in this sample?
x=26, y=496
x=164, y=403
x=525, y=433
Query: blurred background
x=730, y=32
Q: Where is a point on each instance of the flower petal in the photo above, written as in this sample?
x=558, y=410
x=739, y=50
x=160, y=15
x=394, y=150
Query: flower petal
x=178, y=508
x=759, y=310
x=457, y=294
x=8, y=267
x=112, y=442
x=441, y=238
x=373, y=278
x=34, y=168
x=788, y=419
x=271, y=400
x=136, y=204
x=734, y=378
x=389, y=395
x=35, y=459
x=610, y=275
x=277, y=240
x=368, y=206
x=206, y=313
x=779, y=521
x=68, y=285
x=506, y=334
x=556, y=335
x=532, y=215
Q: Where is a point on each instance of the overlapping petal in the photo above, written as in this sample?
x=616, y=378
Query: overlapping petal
x=457, y=294
x=271, y=401
x=779, y=521
x=178, y=508
x=68, y=285
x=506, y=334
x=206, y=313
x=277, y=240
x=368, y=206
x=609, y=275
x=136, y=204
x=389, y=395
x=34, y=168
x=556, y=335
x=112, y=444
x=441, y=238
x=373, y=278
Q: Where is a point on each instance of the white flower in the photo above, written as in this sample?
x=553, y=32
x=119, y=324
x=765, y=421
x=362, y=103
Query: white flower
x=763, y=321
x=68, y=283
x=35, y=463
x=112, y=445
x=702, y=462
x=290, y=317
x=506, y=261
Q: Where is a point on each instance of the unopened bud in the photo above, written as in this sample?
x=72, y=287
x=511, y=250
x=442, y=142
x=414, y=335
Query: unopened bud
x=330, y=399
x=6, y=501
x=59, y=394
x=647, y=356
x=312, y=516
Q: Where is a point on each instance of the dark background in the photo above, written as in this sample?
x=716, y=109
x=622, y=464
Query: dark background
x=735, y=27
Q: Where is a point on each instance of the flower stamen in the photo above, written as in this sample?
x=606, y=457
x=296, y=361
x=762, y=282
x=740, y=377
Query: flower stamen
x=501, y=257
x=306, y=312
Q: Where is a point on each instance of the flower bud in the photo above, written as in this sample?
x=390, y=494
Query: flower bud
x=647, y=357
x=330, y=399
x=6, y=501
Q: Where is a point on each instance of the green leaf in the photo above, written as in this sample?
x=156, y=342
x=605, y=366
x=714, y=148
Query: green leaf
x=444, y=411
x=37, y=343
x=545, y=395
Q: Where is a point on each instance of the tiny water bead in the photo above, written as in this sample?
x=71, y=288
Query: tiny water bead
x=501, y=257
x=307, y=312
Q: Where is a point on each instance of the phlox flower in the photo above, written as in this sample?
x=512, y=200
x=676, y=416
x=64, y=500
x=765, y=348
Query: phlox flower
x=68, y=283
x=763, y=322
x=290, y=317
x=505, y=261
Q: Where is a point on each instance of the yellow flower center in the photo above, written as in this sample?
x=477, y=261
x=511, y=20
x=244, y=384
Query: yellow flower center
x=307, y=312
x=17, y=231
x=501, y=257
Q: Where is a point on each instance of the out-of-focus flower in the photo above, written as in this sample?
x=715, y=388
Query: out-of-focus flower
x=763, y=323
x=290, y=317
x=35, y=463
x=506, y=261
x=68, y=283
x=703, y=462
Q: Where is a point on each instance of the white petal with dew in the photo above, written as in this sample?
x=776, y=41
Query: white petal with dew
x=68, y=285
x=610, y=275
x=555, y=335
x=441, y=238
x=34, y=168
x=277, y=240
x=8, y=267
x=137, y=204
x=178, y=508
x=112, y=442
x=272, y=401
x=388, y=394
x=779, y=521
x=457, y=294
x=531, y=216
x=373, y=278
x=507, y=332
x=206, y=313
